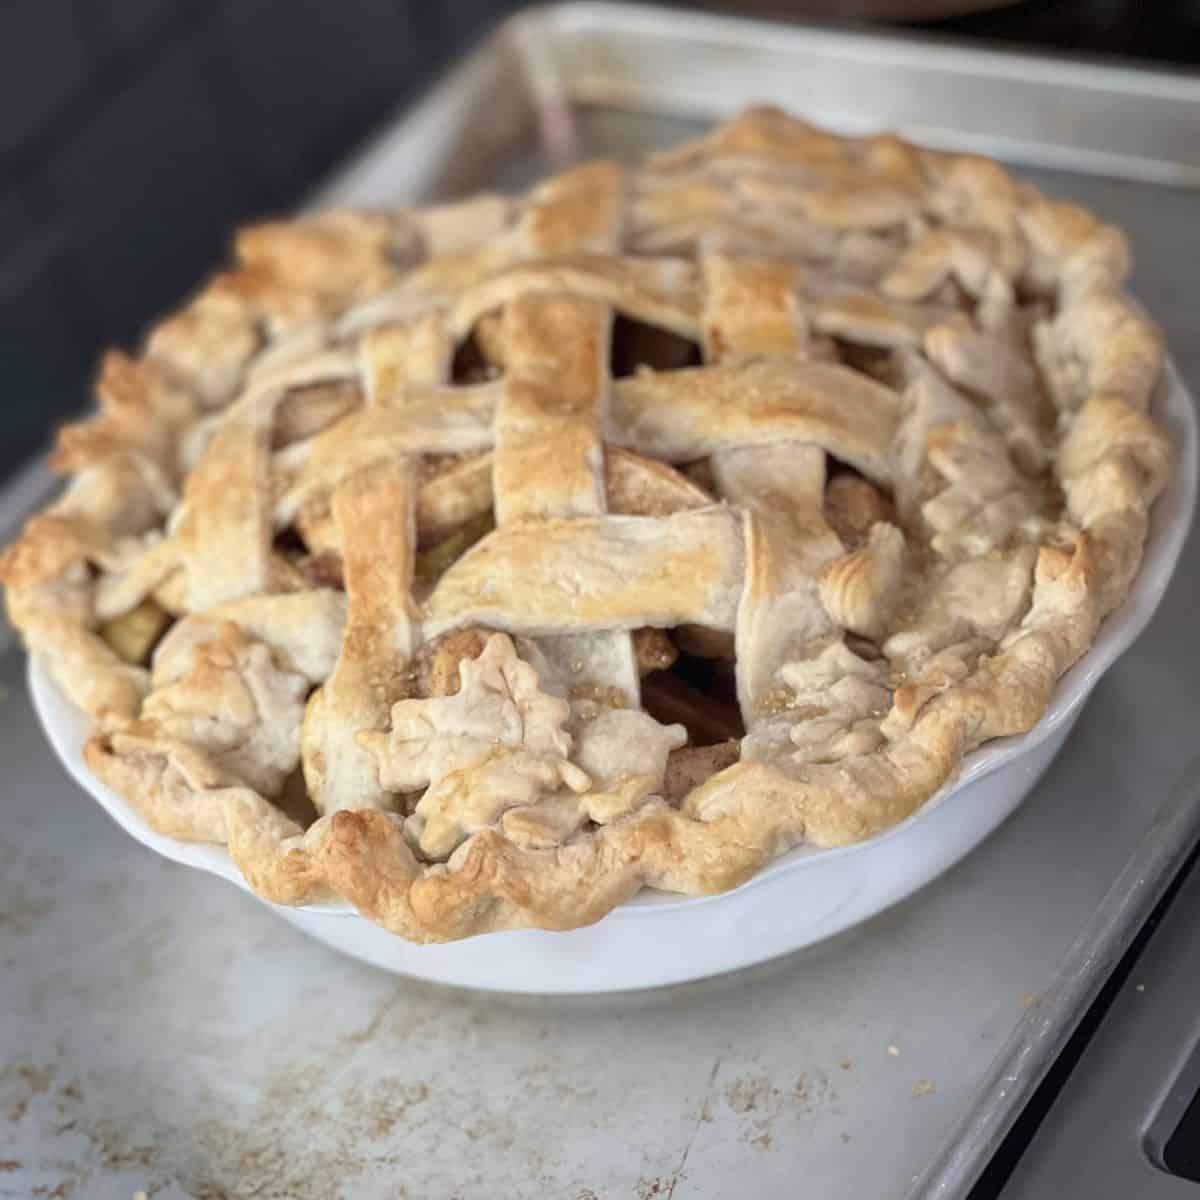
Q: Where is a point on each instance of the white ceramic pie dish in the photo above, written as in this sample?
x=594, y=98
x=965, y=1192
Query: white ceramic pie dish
x=802, y=898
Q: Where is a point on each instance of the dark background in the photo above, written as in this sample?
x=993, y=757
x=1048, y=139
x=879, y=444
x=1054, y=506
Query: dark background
x=135, y=133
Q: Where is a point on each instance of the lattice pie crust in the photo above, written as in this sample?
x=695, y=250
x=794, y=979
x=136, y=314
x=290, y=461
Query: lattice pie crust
x=483, y=564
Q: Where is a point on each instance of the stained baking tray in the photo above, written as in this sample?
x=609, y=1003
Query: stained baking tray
x=979, y=979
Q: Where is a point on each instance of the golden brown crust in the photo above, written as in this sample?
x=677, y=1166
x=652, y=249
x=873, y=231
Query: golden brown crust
x=298, y=421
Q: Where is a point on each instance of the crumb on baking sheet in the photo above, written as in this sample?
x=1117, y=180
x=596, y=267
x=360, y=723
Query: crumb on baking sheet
x=1028, y=1000
x=923, y=1087
x=893, y=1051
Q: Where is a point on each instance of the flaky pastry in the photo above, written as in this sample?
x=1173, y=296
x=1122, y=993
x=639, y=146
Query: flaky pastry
x=484, y=564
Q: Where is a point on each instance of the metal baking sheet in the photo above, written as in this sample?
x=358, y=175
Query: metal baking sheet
x=526, y=85
x=1106, y=1135
x=161, y=1031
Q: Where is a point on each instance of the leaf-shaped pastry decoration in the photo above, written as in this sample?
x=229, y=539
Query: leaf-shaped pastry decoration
x=499, y=742
x=840, y=699
x=499, y=703
x=860, y=590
